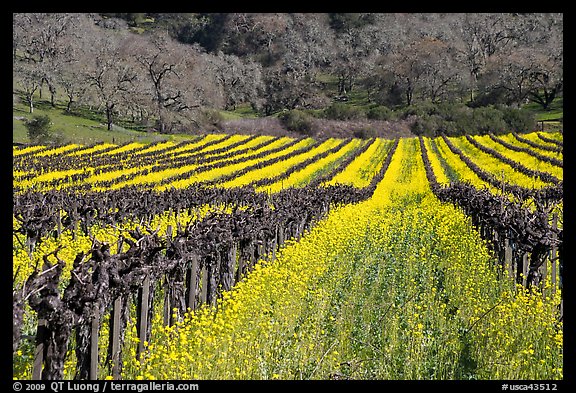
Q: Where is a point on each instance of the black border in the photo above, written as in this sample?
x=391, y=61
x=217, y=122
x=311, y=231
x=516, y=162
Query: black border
x=204, y=6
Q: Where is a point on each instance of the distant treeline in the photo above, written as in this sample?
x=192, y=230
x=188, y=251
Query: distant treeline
x=168, y=72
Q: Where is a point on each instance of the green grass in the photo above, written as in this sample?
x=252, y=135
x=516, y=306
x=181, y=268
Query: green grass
x=552, y=119
x=555, y=112
x=243, y=111
x=82, y=127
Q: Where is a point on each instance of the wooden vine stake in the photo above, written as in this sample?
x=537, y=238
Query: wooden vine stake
x=143, y=323
x=280, y=235
x=167, y=305
x=39, y=350
x=115, y=328
x=193, y=281
x=230, y=261
x=94, y=329
x=204, y=285
x=508, y=258
x=239, y=269
x=115, y=335
x=59, y=224
x=525, y=270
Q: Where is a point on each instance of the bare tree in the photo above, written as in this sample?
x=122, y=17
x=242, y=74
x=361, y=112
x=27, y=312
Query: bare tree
x=256, y=35
x=28, y=78
x=545, y=37
x=240, y=80
x=41, y=41
x=524, y=74
x=280, y=60
x=546, y=79
x=441, y=71
x=68, y=70
x=109, y=74
x=343, y=66
x=162, y=61
x=407, y=70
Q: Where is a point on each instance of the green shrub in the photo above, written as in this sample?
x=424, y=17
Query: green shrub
x=456, y=119
x=297, y=121
x=425, y=125
x=342, y=111
x=519, y=120
x=489, y=119
x=213, y=118
x=380, y=113
x=450, y=127
x=39, y=129
x=419, y=109
x=451, y=111
x=494, y=96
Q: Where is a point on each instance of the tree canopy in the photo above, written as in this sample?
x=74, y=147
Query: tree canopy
x=165, y=69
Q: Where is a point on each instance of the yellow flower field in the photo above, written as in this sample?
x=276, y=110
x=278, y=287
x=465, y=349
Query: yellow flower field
x=397, y=286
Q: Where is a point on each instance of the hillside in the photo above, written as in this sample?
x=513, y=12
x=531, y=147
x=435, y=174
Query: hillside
x=377, y=74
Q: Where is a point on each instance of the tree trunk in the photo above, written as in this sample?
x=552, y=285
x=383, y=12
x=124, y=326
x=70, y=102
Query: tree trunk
x=30, y=103
x=342, y=85
x=161, y=119
x=408, y=92
x=350, y=82
x=109, y=116
x=52, y=95
x=69, y=105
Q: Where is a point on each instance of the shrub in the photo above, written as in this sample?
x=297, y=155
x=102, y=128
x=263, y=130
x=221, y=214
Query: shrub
x=451, y=127
x=380, y=113
x=491, y=97
x=457, y=119
x=425, y=125
x=420, y=109
x=489, y=119
x=212, y=118
x=365, y=133
x=297, y=121
x=39, y=129
x=451, y=111
x=341, y=111
x=519, y=120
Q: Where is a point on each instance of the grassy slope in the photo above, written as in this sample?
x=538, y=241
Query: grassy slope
x=79, y=129
x=556, y=110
